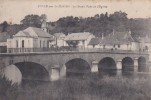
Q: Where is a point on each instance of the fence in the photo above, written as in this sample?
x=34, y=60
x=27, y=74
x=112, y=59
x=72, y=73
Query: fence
x=67, y=49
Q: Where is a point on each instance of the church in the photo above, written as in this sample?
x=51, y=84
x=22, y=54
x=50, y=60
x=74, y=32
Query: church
x=30, y=40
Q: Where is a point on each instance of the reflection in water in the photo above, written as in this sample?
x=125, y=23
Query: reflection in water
x=27, y=83
x=108, y=72
x=85, y=72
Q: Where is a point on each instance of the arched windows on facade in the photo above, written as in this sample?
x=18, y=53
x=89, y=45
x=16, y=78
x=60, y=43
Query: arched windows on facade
x=23, y=43
x=16, y=43
x=40, y=43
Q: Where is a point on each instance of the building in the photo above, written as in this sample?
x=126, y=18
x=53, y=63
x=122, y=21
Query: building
x=47, y=27
x=29, y=40
x=95, y=42
x=145, y=44
x=60, y=39
x=82, y=39
x=3, y=42
x=121, y=41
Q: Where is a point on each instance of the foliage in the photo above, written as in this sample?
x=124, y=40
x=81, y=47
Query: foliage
x=98, y=24
x=101, y=23
x=4, y=26
x=8, y=91
x=91, y=87
x=73, y=43
x=31, y=20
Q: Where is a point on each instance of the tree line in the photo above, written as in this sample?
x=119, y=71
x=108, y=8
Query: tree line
x=100, y=23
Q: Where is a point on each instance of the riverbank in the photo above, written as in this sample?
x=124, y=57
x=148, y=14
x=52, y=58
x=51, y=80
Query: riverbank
x=91, y=87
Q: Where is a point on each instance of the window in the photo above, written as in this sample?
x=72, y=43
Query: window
x=146, y=47
x=104, y=46
x=16, y=44
x=118, y=45
x=40, y=43
x=43, y=43
x=22, y=43
x=114, y=46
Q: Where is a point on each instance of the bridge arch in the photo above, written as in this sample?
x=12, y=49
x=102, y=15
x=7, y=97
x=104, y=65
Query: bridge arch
x=142, y=64
x=127, y=64
x=33, y=71
x=107, y=65
x=77, y=66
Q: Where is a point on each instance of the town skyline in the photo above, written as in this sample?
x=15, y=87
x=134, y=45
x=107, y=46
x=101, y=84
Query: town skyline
x=64, y=9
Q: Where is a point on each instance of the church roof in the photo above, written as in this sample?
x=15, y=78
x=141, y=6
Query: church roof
x=78, y=36
x=33, y=32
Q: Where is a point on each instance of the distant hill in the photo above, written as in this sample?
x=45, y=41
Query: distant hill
x=98, y=24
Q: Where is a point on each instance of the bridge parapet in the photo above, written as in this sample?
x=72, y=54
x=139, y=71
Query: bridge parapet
x=52, y=50
x=78, y=51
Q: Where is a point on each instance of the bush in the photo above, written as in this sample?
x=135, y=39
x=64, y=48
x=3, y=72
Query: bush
x=89, y=87
x=8, y=90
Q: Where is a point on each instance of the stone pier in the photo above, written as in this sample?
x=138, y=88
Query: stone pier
x=136, y=65
x=94, y=67
x=119, y=67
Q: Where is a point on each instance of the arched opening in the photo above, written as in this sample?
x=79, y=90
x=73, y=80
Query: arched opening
x=77, y=67
x=22, y=43
x=127, y=64
x=32, y=71
x=142, y=64
x=107, y=66
x=146, y=48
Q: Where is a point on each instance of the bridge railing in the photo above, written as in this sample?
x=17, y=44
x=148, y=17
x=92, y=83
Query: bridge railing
x=26, y=50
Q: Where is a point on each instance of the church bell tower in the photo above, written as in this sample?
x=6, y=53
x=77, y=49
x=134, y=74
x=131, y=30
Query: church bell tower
x=44, y=26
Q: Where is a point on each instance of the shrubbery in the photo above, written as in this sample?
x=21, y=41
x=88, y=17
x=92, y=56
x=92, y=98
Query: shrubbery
x=90, y=87
x=8, y=91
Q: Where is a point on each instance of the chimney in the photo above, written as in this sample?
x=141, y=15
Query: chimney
x=102, y=35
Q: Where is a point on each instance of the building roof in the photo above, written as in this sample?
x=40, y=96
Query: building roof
x=33, y=32
x=58, y=35
x=95, y=41
x=78, y=36
x=4, y=36
x=147, y=40
x=118, y=38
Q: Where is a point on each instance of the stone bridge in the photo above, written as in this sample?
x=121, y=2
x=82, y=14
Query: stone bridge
x=53, y=65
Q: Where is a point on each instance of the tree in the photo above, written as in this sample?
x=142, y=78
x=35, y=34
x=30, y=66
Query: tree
x=73, y=43
x=4, y=26
x=43, y=17
x=32, y=20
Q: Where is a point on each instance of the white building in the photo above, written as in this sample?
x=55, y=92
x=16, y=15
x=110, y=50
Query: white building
x=82, y=39
x=60, y=39
x=145, y=44
x=120, y=41
x=29, y=39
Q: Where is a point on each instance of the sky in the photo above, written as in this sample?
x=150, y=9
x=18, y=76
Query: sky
x=15, y=10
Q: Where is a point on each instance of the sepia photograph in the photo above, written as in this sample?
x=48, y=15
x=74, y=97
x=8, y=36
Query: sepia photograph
x=75, y=49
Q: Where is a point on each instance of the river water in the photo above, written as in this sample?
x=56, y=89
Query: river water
x=108, y=73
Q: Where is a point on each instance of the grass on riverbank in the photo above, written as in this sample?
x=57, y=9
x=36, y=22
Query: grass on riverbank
x=85, y=88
